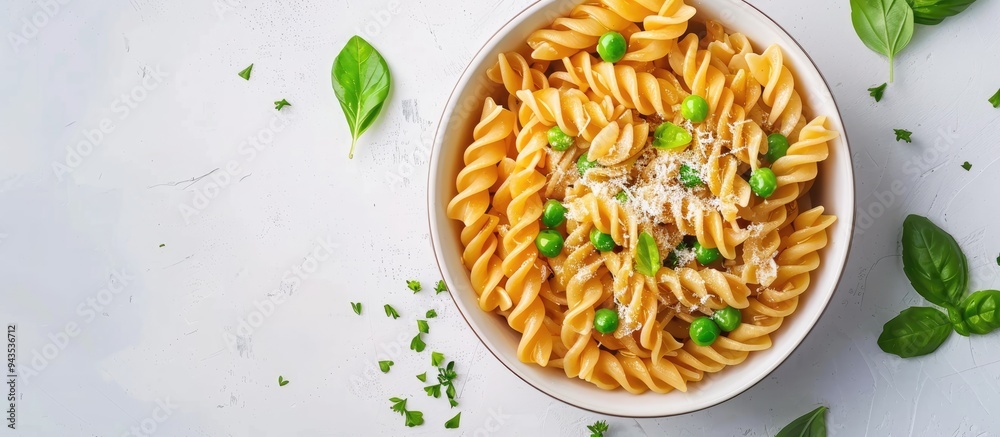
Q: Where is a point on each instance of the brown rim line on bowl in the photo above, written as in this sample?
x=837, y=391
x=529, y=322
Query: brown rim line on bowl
x=834, y=189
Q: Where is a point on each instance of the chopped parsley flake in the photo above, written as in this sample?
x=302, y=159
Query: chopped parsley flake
x=903, y=134
x=877, y=92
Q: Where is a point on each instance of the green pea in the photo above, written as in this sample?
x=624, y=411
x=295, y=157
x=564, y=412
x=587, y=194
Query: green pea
x=728, y=318
x=670, y=136
x=554, y=213
x=777, y=146
x=763, y=182
x=583, y=164
x=559, y=140
x=612, y=46
x=690, y=177
x=549, y=243
x=704, y=255
x=605, y=321
x=694, y=108
x=601, y=241
x=621, y=197
x=703, y=331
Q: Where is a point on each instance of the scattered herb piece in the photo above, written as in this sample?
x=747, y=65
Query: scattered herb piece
x=417, y=344
x=361, y=82
x=914, y=332
x=422, y=377
x=414, y=285
x=414, y=418
x=433, y=390
x=933, y=262
x=995, y=100
x=431, y=314
x=453, y=423
x=877, y=91
x=885, y=26
x=812, y=424
x=453, y=403
x=245, y=74
x=391, y=312
x=439, y=287
x=647, y=255
x=356, y=306
x=447, y=374
x=423, y=327
x=437, y=358
x=967, y=166
x=385, y=365
x=161, y=244
x=903, y=134
x=935, y=11
x=281, y=104
x=282, y=381
x=598, y=428
x=398, y=405
x=981, y=311
x=998, y=260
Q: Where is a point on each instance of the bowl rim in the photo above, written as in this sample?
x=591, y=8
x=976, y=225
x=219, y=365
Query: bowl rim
x=449, y=108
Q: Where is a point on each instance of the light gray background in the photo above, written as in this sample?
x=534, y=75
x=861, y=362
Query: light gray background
x=168, y=346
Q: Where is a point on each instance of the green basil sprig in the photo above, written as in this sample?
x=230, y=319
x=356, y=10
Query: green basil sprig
x=933, y=262
x=812, y=424
x=647, y=255
x=981, y=311
x=361, y=82
x=938, y=270
x=885, y=26
x=935, y=11
x=915, y=331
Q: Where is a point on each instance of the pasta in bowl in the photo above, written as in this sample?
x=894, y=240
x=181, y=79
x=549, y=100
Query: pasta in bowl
x=629, y=198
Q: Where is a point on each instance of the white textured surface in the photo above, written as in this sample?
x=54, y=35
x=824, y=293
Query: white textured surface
x=163, y=337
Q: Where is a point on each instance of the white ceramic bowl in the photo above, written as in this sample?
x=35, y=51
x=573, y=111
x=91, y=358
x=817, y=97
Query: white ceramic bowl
x=834, y=189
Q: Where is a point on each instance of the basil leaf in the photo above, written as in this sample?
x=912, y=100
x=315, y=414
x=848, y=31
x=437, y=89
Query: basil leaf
x=811, y=424
x=958, y=321
x=935, y=11
x=361, y=81
x=981, y=311
x=647, y=255
x=885, y=26
x=915, y=331
x=933, y=262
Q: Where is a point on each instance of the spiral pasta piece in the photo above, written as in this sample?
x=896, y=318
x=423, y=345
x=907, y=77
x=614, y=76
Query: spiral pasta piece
x=642, y=91
x=472, y=201
x=705, y=288
x=696, y=69
x=580, y=31
x=514, y=72
x=521, y=264
x=619, y=140
x=779, y=92
x=659, y=32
